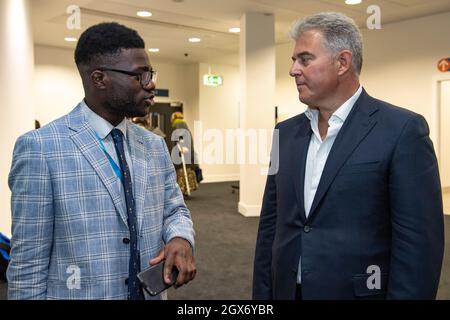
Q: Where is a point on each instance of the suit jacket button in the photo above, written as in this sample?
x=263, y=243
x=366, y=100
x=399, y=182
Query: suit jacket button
x=126, y=281
x=126, y=240
x=307, y=229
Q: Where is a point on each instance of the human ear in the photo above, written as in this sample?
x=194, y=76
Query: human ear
x=98, y=79
x=344, y=59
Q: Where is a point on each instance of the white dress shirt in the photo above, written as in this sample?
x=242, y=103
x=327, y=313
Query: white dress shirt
x=319, y=150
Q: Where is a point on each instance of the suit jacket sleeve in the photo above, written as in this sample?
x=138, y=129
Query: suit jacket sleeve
x=32, y=221
x=177, y=218
x=416, y=215
x=262, y=269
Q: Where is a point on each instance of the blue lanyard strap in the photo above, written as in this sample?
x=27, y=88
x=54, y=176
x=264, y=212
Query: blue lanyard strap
x=114, y=165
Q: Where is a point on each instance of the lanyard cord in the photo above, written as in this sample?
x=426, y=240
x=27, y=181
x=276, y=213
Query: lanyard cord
x=114, y=165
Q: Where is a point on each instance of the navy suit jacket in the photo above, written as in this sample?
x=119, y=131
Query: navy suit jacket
x=378, y=203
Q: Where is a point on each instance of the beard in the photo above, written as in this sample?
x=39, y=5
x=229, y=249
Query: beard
x=125, y=106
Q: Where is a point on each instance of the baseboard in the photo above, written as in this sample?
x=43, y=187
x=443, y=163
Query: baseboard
x=248, y=210
x=220, y=178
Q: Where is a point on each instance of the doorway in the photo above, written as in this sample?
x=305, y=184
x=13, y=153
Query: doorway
x=444, y=141
x=160, y=114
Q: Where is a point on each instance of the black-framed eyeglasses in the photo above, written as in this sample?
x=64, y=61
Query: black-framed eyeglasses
x=144, y=77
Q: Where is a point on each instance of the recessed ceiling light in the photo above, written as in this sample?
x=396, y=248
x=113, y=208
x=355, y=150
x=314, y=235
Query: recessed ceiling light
x=195, y=39
x=70, y=39
x=144, y=14
x=234, y=30
x=351, y=2
x=153, y=50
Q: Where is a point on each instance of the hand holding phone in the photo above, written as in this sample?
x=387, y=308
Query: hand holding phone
x=152, y=279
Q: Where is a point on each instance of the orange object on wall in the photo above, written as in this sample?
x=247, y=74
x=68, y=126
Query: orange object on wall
x=444, y=65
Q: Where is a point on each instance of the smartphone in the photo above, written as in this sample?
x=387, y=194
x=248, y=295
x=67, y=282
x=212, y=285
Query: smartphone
x=152, y=279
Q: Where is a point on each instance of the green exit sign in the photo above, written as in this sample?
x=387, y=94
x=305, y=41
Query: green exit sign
x=211, y=80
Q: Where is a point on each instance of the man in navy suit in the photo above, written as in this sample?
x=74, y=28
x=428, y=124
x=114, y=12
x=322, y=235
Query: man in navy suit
x=355, y=209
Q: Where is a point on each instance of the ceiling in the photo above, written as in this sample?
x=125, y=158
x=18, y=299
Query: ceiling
x=174, y=21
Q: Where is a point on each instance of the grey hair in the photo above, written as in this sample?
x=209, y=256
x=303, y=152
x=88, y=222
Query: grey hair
x=340, y=32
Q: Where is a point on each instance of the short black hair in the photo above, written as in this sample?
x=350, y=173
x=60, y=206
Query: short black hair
x=103, y=41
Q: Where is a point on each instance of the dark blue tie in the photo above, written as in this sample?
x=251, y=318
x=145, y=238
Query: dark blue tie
x=134, y=264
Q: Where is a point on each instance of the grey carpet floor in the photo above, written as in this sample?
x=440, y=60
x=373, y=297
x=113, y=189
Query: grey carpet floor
x=225, y=243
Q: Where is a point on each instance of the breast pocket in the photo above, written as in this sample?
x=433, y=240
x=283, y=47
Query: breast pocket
x=360, y=167
x=359, y=176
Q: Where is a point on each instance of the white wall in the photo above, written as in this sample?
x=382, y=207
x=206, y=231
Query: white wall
x=400, y=63
x=219, y=109
x=191, y=84
x=57, y=86
x=170, y=76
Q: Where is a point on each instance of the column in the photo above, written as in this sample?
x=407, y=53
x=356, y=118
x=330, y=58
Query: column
x=16, y=72
x=257, y=63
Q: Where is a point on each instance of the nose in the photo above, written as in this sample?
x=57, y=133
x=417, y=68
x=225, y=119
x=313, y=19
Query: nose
x=295, y=69
x=150, y=86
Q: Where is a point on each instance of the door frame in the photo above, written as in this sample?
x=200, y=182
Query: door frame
x=437, y=109
x=437, y=113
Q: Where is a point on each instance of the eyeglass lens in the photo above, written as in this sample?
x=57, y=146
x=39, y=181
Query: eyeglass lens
x=148, y=76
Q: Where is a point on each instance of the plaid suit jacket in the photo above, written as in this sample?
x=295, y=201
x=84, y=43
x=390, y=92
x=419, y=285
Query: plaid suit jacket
x=69, y=217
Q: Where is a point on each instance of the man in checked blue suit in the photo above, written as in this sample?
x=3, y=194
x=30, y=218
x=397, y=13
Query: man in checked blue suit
x=355, y=209
x=94, y=197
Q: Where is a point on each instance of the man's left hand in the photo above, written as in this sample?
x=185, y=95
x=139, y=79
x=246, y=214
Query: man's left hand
x=178, y=253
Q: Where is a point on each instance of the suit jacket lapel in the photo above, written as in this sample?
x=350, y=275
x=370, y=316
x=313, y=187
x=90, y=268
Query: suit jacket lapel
x=140, y=171
x=85, y=139
x=300, y=145
x=356, y=127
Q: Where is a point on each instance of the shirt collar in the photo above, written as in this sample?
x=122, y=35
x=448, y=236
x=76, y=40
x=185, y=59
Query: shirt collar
x=311, y=113
x=101, y=126
x=342, y=112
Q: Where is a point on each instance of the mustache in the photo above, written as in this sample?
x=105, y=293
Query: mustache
x=153, y=92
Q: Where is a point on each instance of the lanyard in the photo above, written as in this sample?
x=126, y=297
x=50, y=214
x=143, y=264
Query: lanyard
x=114, y=165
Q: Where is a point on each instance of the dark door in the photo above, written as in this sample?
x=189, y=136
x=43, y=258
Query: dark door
x=160, y=115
